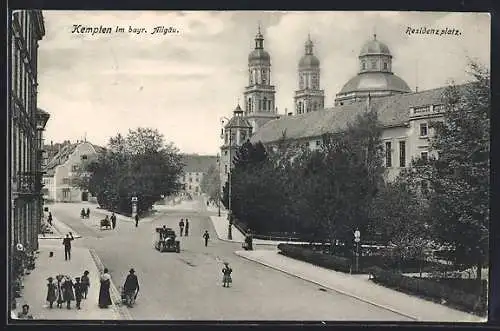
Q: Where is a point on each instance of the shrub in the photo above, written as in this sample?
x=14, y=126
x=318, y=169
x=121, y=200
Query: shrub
x=431, y=289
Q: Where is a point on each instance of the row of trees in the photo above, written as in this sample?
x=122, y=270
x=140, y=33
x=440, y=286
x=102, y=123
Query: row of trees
x=139, y=164
x=328, y=193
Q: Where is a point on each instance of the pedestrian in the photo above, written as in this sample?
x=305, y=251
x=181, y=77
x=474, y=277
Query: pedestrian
x=68, y=294
x=67, y=246
x=49, y=218
x=181, y=226
x=226, y=271
x=136, y=220
x=113, y=220
x=25, y=313
x=85, y=283
x=104, y=296
x=51, y=291
x=82, y=213
x=131, y=287
x=186, y=228
x=88, y=212
x=59, y=291
x=78, y=292
x=206, y=236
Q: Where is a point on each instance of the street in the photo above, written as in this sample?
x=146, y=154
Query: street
x=188, y=285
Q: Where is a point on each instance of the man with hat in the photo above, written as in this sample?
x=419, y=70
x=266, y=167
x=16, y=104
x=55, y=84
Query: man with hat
x=131, y=287
x=25, y=313
x=78, y=292
x=226, y=271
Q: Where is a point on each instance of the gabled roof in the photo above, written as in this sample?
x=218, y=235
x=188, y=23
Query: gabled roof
x=198, y=163
x=63, y=155
x=392, y=111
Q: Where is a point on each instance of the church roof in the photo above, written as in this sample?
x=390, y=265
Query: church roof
x=309, y=61
x=392, y=111
x=375, y=81
x=198, y=163
x=374, y=46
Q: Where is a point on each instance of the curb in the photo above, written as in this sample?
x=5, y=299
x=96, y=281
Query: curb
x=120, y=309
x=330, y=288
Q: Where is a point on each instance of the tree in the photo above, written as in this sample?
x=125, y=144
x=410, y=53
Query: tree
x=140, y=165
x=457, y=180
x=211, y=183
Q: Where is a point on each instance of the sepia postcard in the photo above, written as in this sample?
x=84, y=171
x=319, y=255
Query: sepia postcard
x=249, y=166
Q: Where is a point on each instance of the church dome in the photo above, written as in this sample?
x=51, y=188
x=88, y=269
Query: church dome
x=309, y=61
x=375, y=81
x=373, y=47
x=259, y=55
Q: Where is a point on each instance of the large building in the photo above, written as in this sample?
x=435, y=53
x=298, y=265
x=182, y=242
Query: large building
x=404, y=115
x=64, y=167
x=195, y=167
x=26, y=126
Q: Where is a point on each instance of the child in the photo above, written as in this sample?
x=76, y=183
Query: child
x=226, y=271
x=78, y=292
x=85, y=283
x=51, y=291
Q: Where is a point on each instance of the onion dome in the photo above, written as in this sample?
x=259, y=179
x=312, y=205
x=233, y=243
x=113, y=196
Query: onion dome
x=374, y=47
x=375, y=81
x=259, y=55
x=309, y=60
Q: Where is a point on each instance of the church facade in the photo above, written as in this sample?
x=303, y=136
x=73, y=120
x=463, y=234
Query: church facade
x=405, y=115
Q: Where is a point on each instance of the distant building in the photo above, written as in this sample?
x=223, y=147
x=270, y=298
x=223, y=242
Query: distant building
x=195, y=167
x=63, y=167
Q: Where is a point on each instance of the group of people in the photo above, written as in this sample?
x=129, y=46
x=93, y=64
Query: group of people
x=85, y=213
x=184, y=227
x=65, y=290
x=112, y=218
x=130, y=289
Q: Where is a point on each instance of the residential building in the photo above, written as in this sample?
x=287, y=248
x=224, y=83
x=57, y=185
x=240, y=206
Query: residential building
x=64, y=167
x=195, y=167
x=26, y=126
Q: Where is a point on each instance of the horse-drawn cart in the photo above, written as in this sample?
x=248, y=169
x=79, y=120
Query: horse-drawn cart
x=165, y=240
x=105, y=223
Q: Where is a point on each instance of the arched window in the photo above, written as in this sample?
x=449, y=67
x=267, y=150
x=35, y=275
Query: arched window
x=300, y=107
x=374, y=64
x=260, y=105
x=301, y=82
x=264, y=106
x=264, y=76
x=249, y=105
x=363, y=65
x=250, y=77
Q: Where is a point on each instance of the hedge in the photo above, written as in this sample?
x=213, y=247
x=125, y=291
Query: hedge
x=433, y=290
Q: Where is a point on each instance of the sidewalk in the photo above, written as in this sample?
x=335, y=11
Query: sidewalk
x=59, y=228
x=35, y=286
x=359, y=287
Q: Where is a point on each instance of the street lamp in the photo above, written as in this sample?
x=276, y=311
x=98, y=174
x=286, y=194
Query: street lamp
x=229, y=215
x=357, y=239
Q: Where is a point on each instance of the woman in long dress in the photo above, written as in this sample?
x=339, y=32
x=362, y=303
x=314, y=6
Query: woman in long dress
x=104, y=296
x=51, y=291
x=68, y=294
x=59, y=291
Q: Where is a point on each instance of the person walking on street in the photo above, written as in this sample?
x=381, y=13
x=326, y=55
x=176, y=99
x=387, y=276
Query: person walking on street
x=78, y=292
x=104, y=296
x=67, y=246
x=136, y=220
x=85, y=283
x=206, y=236
x=49, y=218
x=59, y=291
x=131, y=287
x=88, y=212
x=186, y=228
x=113, y=220
x=51, y=291
x=68, y=294
x=83, y=214
x=181, y=226
x=226, y=271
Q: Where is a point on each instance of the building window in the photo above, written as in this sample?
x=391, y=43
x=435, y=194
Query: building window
x=84, y=157
x=197, y=180
x=74, y=168
x=65, y=181
x=388, y=154
x=225, y=168
x=374, y=64
x=423, y=130
x=424, y=156
x=424, y=109
x=385, y=65
x=402, y=154
x=189, y=187
x=264, y=106
x=363, y=65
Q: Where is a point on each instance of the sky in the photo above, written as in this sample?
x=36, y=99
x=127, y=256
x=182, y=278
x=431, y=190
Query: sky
x=183, y=83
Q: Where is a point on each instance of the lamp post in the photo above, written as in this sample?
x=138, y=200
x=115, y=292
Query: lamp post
x=357, y=239
x=218, y=184
x=229, y=215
